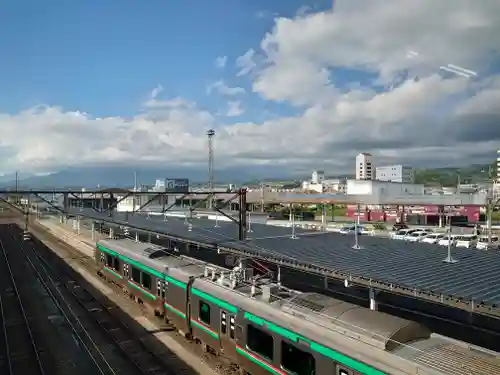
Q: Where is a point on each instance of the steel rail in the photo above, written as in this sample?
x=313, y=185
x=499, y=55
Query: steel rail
x=33, y=345
x=66, y=317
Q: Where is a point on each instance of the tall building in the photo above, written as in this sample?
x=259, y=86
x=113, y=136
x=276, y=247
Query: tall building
x=317, y=177
x=498, y=167
x=364, y=167
x=395, y=173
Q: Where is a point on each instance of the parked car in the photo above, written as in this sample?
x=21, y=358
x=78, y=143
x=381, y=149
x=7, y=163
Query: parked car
x=416, y=236
x=467, y=240
x=482, y=243
x=432, y=238
x=401, y=234
x=350, y=229
x=448, y=239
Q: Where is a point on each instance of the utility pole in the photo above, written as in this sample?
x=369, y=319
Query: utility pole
x=211, y=172
x=16, y=200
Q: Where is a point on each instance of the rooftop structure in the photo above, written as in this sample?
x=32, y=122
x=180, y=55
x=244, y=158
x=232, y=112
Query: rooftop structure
x=417, y=268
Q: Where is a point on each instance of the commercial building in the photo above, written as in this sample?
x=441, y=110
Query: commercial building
x=364, y=167
x=383, y=188
x=395, y=173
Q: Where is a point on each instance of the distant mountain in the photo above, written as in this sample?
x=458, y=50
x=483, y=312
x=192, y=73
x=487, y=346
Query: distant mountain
x=452, y=176
x=91, y=177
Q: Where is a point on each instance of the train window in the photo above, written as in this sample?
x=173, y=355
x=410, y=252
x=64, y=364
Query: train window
x=231, y=327
x=125, y=270
x=109, y=260
x=297, y=361
x=116, y=264
x=260, y=342
x=146, y=281
x=158, y=287
x=223, y=322
x=343, y=372
x=164, y=290
x=136, y=275
x=204, y=313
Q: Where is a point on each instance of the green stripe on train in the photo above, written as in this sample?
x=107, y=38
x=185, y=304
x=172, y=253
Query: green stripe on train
x=327, y=352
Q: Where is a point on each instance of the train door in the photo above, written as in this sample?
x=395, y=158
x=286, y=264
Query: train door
x=227, y=334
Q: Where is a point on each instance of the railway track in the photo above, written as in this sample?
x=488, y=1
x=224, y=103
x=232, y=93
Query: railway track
x=52, y=340
x=22, y=353
x=141, y=357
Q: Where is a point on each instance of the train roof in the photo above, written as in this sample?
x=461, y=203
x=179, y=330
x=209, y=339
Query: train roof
x=327, y=321
x=359, y=332
x=159, y=258
x=371, y=327
x=412, y=268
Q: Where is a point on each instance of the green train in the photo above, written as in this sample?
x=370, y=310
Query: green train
x=266, y=329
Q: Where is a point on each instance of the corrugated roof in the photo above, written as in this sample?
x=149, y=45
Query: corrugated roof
x=416, y=266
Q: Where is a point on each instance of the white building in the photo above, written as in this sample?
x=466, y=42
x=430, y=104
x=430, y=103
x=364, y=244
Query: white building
x=498, y=167
x=317, y=177
x=382, y=188
x=364, y=167
x=395, y=173
x=310, y=186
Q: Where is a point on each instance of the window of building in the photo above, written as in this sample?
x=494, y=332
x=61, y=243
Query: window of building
x=297, y=361
x=260, y=342
x=146, y=281
x=204, y=313
x=136, y=275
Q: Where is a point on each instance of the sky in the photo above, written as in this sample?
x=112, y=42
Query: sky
x=292, y=84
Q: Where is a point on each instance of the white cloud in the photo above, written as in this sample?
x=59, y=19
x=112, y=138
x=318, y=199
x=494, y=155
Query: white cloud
x=157, y=91
x=234, y=109
x=220, y=62
x=224, y=89
x=429, y=121
x=246, y=63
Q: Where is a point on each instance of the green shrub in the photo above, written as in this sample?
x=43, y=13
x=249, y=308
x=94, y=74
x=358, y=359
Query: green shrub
x=379, y=226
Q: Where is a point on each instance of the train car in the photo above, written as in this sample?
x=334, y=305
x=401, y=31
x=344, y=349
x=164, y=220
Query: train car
x=139, y=267
x=265, y=328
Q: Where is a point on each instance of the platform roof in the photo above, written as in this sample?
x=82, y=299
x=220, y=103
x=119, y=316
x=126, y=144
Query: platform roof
x=401, y=267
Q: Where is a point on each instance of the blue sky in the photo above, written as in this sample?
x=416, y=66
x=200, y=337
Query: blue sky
x=104, y=57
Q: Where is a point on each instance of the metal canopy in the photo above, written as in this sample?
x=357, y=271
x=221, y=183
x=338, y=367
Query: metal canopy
x=415, y=268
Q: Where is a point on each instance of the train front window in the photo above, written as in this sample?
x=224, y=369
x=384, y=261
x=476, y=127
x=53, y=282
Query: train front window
x=297, y=361
x=136, y=275
x=260, y=342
